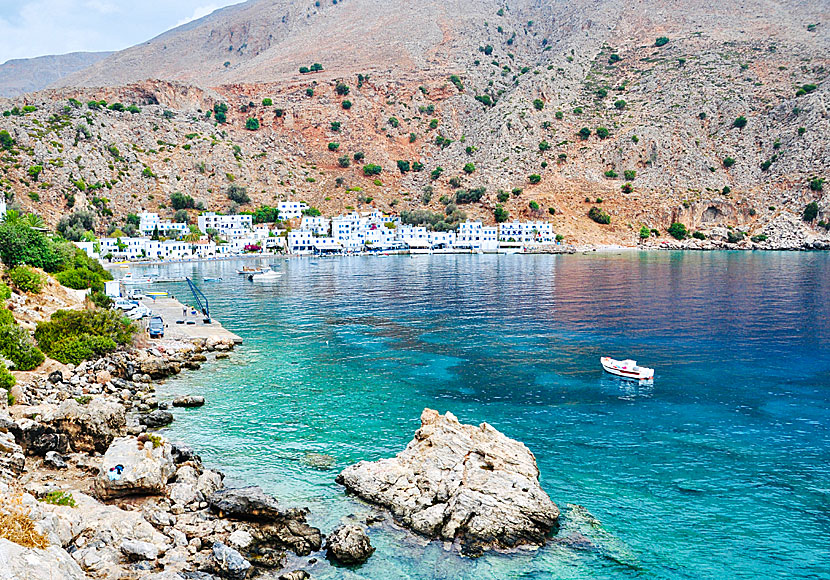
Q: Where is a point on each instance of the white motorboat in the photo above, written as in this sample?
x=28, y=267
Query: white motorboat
x=246, y=271
x=626, y=368
x=267, y=275
x=130, y=279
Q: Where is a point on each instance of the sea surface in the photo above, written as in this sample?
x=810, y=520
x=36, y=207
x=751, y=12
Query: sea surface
x=720, y=469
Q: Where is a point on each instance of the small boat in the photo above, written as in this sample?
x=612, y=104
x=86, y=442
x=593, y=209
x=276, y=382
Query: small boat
x=267, y=275
x=169, y=280
x=626, y=368
x=130, y=279
x=213, y=279
x=246, y=271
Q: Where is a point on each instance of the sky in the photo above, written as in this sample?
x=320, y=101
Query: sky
x=30, y=28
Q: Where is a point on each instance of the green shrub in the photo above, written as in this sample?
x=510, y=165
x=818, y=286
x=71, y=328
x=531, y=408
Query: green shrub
x=100, y=299
x=678, y=231
x=619, y=104
x=342, y=89
x=309, y=92
x=728, y=162
x=544, y=146
x=5, y=291
x=645, y=233
x=20, y=244
x=75, y=350
x=629, y=174
x=7, y=380
x=17, y=346
x=59, y=498
x=238, y=194
x=733, y=237
x=266, y=102
x=470, y=196
x=252, y=124
x=533, y=205
x=602, y=132
x=346, y=104
x=26, y=279
x=80, y=279
x=469, y=168
x=759, y=238
x=82, y=324
x=334, y=146
x=502, y=196
x=599, y=216
x=626, y=188
x=611, y=174
x=372, y=169
x=740, y=122
x=403, y=165
x=534, y=178
x=661, y=41
x=344, y=161
x=500, y=213
x=538, y=104
x=810, y=212
x=454, y=79
x=817, y=184
x=699, y=236
x=6, y=317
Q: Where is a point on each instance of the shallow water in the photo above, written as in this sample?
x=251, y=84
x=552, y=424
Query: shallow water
x=721, y=469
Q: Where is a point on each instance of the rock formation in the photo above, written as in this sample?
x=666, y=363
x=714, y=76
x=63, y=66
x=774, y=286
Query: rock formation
x=133, y=467
x=469, y=485
x=349, y=544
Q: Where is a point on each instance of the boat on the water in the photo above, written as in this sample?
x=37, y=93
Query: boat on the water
x=130, y=279
x=247, y=271
x=626, y=368
x=267, y=275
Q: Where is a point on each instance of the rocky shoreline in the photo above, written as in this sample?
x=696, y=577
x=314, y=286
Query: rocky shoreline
x=105, y=497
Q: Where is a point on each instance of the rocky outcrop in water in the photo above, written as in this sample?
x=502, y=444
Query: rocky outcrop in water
x=460, y=483
x=349, y=544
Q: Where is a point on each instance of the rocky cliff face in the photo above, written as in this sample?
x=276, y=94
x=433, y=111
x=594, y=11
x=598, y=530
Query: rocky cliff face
x=578, y=94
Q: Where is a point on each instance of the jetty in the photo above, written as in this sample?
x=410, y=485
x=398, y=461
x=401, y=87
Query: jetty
x=171, y=311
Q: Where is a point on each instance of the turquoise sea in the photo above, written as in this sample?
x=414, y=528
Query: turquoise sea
x=721, y=469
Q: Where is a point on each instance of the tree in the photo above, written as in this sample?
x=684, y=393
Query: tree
x=309, y=92
x=469, y=168
x=599, y=216
x=266, y=102
x=533, y=205
x=627, y=188
x=454, y=79
x=645, y=233
x=220, y=111
x=544, y=146
x=394, y=122
x=178, y=200
x=20, y=244
x=740, y=122
x=500, y=213
x=538, y=104
x=602, y=132
x=403, y=165
x=346, y=104
x=252, y=124
x=728, y=162
x=238, y=194
x=678, y=231
x=486, y=100
x=6, y=141
x=304, y=70
x=619, y=104
x=810, y=212
x=34, y=171
x=372, y=169
x=534, y=178
x=629, y=174
x=72, y=227
x=342, y=89
x=585, y=132
x=344, y=161
x=181, y=217
x=817, y=184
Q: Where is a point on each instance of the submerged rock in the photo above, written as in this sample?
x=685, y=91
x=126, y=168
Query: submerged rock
x=460, y=483
x=132, y=467
x=349, y=544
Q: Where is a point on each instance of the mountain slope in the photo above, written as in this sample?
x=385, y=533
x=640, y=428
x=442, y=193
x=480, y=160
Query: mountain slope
x=33, y=74
x=578, y=93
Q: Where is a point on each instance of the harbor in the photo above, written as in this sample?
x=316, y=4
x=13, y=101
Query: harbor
x=184, y=322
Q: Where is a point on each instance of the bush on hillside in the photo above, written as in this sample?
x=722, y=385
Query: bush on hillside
x=6, y=317
x=599, y=216
x=500, y=214
x=20, y=244
x=73, y=227
x=179, y=200
x=17, y=346
x=26, y=279
x=238, y=194
x=7, y=380
x=100, y=299
x=87, y=333
x=678, y=231
x=5, y=291
x=810, y=212
x=80, y=279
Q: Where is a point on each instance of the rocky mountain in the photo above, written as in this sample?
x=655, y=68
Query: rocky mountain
x=33, y=74
x=710, y=113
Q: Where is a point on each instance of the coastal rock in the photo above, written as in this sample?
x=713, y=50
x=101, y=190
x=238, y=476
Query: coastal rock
x=295, y=575
x=91, y=427
x=245, y=503
x=56, y=377
x=230, y=563
x=131, y=467
x=138, y=550
x=52, y=563
x=349, y=544
x=183, y=453
x=160, y=368
x=156, y=419
x=189, y=401
x=54, y=460
x=460, y=483
x=240, y=539
x=12, y=460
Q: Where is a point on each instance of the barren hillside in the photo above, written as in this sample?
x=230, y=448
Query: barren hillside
x=579, y=93
x=27, y=75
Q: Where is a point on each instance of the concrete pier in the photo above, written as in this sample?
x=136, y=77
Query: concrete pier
x=171, y=310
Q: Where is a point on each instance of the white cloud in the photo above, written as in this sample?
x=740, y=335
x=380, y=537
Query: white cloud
x=38, y=27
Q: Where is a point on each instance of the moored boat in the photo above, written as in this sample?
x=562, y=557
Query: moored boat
x=626, y=368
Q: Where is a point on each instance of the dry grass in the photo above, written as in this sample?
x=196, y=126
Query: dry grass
x=17, y=526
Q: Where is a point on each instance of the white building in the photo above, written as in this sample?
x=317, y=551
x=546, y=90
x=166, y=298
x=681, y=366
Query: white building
x=301, y=242
x=414, y=236
x=442, y=240
x=473, y=235
x=291, y=209
x=150, y=222
x=537, y=232
x=224, y=224
x=319, y=225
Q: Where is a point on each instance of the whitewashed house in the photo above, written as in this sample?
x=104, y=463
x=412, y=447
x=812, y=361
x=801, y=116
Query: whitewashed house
x=301, y=242
x=150, y=222
x=537, y=232
x=225, y=224
x=291, y=209
x=319, y=225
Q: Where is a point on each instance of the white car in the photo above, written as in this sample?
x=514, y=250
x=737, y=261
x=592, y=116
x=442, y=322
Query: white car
x=125, y=305
x=139, y=312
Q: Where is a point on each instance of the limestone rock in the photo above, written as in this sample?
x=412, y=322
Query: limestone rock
x=240, y=539
x=156, y=419
x=230, y=563
x=12, y=460
x=90, y=427
x=54, y=460
x=349, y=544
x=138, y=550
x=460, y=482
x=52, y=563
x=245, y=503
x=295, y=575
x=144, y=468
x=189, y=401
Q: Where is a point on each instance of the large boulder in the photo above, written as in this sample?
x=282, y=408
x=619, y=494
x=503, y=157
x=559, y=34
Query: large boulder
x=229, y=563
x=189, y=401
x=349, y=544
x=460, y=483
x=245, y=503
x=90, y=427
x=52, y=563
x=133, y=467
x=155, y=419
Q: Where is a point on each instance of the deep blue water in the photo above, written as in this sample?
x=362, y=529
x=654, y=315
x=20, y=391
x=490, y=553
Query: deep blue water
x=721, y=469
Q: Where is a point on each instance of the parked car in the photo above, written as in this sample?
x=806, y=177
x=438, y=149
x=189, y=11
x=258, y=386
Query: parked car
x=139, y=312
x=125, y=305
x=156, y=327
